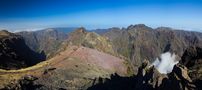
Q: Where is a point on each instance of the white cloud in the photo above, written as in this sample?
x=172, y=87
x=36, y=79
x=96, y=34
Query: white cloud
x=28, y=29
x=165, y=63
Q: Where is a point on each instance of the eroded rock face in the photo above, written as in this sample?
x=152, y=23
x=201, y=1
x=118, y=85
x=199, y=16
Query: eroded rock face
x=139, y=42
x=47, y=41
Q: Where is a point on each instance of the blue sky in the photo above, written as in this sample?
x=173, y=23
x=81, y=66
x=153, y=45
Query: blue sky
x=38, y=14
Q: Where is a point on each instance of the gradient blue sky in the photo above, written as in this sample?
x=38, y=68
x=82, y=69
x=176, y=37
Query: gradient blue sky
x=37, y=14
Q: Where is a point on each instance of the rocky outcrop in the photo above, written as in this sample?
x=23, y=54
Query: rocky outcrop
x=178, y=79
x=192, y=59
x=15, y=54
x=25, y=83
x=148, y=78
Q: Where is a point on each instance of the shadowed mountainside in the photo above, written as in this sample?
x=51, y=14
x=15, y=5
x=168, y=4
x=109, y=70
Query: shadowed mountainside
x=47, y=40
x=14, y=53
x=192, y=59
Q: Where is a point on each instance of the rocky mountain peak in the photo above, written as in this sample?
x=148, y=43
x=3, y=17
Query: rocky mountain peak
x=139, y=27
x=81, y=30
x=5, y=33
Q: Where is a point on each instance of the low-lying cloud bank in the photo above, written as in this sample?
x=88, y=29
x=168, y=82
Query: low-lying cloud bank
x=165, y=63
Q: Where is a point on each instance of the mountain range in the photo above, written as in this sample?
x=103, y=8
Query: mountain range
x=112, y=59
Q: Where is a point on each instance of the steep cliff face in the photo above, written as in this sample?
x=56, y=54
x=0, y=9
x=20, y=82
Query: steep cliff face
x=14, y=53
x=120, y=41
x=139, y=42
x=47, y=41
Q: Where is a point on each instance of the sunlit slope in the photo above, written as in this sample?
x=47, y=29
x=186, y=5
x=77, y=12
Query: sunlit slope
x=75, y=64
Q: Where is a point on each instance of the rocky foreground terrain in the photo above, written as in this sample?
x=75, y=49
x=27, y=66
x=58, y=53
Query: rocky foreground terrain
x=112, y=59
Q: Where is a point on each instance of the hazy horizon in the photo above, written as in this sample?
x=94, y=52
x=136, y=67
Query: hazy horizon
x=93, y=14
x=37, y=29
